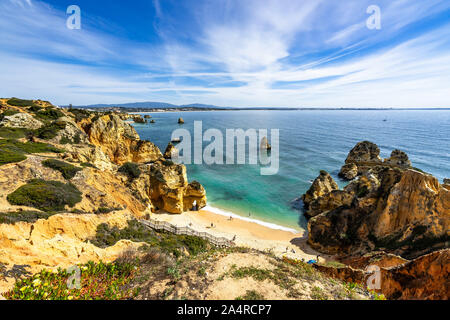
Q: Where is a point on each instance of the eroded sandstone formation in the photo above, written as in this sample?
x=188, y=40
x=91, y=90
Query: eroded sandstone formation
x=170, y=190
x=365, y=155
x=425, y=277
x=94, y=146
x=120, y=141
x=170, y=150
x=312, y=199
x=402, y=211
x=390, y=215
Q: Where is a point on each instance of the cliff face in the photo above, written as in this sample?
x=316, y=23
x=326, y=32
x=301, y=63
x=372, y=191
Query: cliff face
x=365, y=155
x=162, y=185
x=170, y=190
x=397, y=209
x=408, y=213
x=85, y=151
x=425, y=277
x=119, y=140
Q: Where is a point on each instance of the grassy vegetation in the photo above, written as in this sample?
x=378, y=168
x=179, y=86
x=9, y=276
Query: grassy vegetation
x=35, y=108
x=251, y=295
x=98, y=281
x=51, y=130
x=79, y=114
x=334, y=264
x=13, y=133
x=251, y=272
x=131, y=170
x=318, y=294
x=282, y=276
x=26, y=216
x=49, y=114
x=87, y=165
x=76, y=140
x=67, y=170
x=20, y=102
x=174, y=244
x=8, y=156
x=14, y=151
x=44, y=195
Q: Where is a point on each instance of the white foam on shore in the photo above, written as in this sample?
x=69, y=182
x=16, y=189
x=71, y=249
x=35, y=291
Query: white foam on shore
x=262, y=223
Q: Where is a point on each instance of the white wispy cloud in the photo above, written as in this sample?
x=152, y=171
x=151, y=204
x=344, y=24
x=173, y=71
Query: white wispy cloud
x=234, y=53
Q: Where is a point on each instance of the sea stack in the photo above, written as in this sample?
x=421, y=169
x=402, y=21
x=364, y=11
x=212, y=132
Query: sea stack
x=170, y=150
x=264, y=145
x=398, y=158
x=139, y=119
x=180, y=120
x=363, y=155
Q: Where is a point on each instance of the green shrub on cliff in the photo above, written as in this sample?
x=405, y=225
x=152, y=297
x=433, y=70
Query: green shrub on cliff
x=44, y=195
x=8, y=156
x=131, y=170
x=67, y=170
x=29, y=147
x=171, y=243
x=26, y=216
x=49, y=114
x=50, y=131
x=79, y=114
x=7, y=113
x=20, y=102
x=13, y=133
x=14, y=151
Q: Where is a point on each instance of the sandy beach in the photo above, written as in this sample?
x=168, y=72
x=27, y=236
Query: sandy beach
x=248, y=234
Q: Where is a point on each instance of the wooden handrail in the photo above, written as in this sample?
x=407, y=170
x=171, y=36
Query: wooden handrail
x=168, y=227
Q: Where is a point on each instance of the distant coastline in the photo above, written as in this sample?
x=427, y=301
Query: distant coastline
x=190, y=109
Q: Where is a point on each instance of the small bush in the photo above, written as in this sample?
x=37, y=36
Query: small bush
x=14, y=151
x=50, y=131
x=79, y=114
x=67, y=170
x=88, y=165
x=20, y=102
x=35, y=108
x=49, y=114
x=13, y=133
x=251, y=295
x=44, y=195
x=76, y=140
x=29, y=147
x=7, y=156
x=26, y=216
x=107, y=236
x=64, y=140
x=195, y=245
x=131, y=170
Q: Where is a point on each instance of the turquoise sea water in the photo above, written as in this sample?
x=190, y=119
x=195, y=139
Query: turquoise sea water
x=309, y=142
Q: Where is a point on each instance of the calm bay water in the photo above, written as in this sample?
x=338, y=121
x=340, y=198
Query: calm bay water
x=309, y=142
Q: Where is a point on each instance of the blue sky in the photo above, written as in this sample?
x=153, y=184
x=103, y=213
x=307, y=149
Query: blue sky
x=243, y=53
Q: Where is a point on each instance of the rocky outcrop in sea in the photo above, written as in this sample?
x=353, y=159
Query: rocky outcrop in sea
x=388, y=207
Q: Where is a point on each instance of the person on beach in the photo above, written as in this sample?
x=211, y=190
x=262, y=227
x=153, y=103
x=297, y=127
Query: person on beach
x=234, y=238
